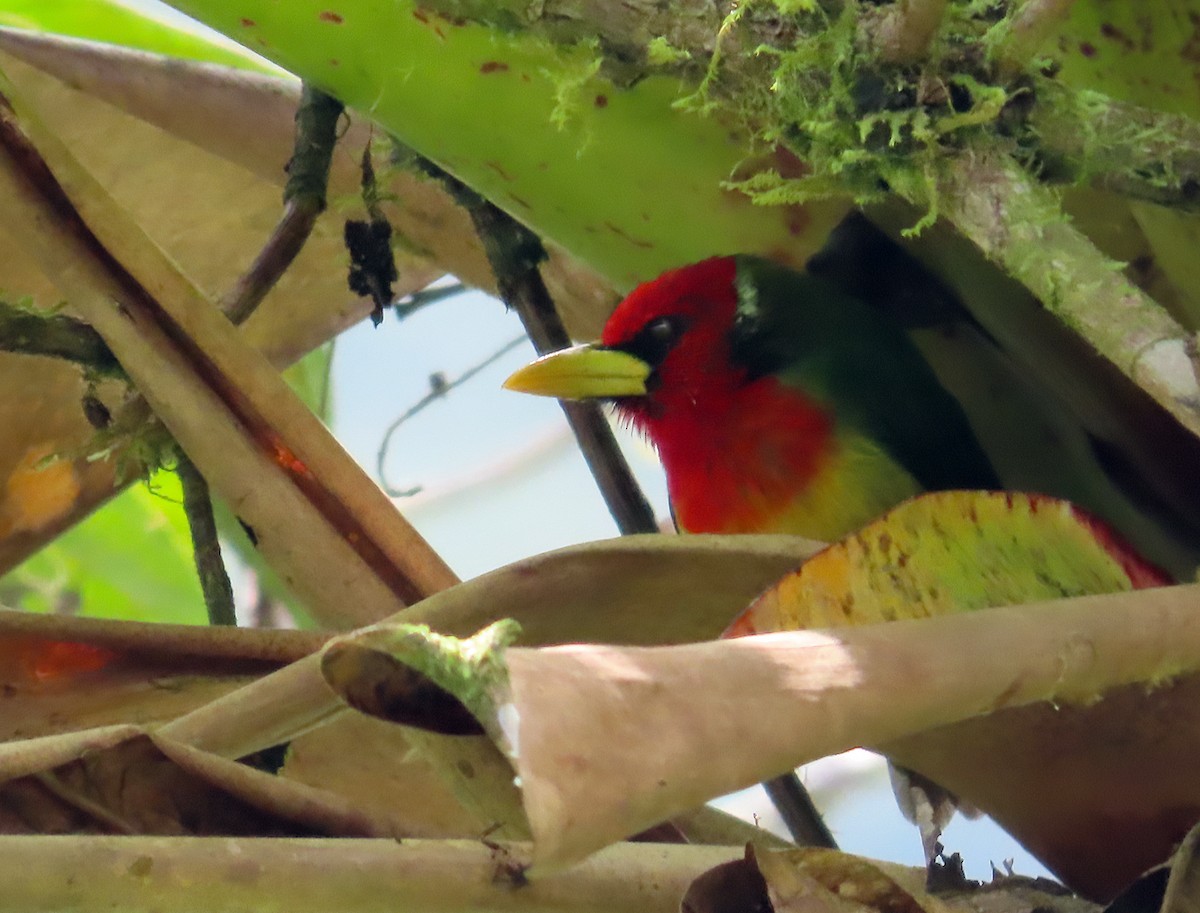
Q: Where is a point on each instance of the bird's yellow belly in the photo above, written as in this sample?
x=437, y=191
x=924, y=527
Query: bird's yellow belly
x=855, y=483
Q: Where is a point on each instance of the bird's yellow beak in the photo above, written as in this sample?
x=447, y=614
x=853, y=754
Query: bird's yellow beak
x=583, y=372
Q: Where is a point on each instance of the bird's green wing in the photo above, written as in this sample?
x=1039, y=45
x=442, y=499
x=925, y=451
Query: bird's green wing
x=862, y=366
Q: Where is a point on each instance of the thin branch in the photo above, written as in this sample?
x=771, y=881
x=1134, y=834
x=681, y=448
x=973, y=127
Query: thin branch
x=304, y=200
x=903, y=32
x=410, y=304
x=437, y=390
x=800, y=815
x=206, y=546
x=28, y=332
x=514, y=253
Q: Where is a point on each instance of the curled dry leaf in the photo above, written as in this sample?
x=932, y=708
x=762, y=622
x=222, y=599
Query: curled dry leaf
x=644, y=589
x=812, y=880
x=592, y=769
x=124, y=780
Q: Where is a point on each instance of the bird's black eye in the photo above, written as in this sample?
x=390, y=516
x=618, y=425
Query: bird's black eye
x=654, y=341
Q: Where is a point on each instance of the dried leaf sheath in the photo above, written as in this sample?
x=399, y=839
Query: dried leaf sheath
x=715, y=717
x=320, y=521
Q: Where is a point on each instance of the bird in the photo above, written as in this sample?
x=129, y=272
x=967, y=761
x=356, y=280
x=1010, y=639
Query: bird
x=777, y=402
x=782, y=401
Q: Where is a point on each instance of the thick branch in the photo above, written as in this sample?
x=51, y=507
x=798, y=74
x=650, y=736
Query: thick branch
x=1018, y=224
x=1137, y=152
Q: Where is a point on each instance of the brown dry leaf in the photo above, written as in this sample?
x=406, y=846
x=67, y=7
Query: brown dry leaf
x=593, y=770
x=613, y=590
x=121, y=780
x=827, y=881
x=322, y=525
x=1098, y=793
x=1182, y=892
x=60, y=674
x=812, y=880
x=382, y=773
x=211, y=216
x=601, y=590
x=732, y=887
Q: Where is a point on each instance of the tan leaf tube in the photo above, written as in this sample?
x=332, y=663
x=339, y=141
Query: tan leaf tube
x=606, y=741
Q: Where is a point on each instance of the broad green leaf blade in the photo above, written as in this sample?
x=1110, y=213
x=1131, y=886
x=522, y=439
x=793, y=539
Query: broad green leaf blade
x=1144, y=53
x=539, y=131
x=131, y=559
x=118, y=23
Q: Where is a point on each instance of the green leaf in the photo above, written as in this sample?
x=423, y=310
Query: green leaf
x=116, y=23
x=131, y=559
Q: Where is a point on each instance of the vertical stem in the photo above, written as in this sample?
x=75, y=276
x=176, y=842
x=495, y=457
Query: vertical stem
x=514, y=253
x=206, y=547
x=304, y=200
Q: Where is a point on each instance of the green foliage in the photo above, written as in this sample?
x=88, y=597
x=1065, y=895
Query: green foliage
x=114, y=22
x=131, y=559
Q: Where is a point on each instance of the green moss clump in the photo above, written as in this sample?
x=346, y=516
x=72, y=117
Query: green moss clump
x=661, y=53
x=861, y=123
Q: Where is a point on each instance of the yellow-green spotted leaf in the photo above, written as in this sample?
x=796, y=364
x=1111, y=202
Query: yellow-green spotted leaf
x=952, y=551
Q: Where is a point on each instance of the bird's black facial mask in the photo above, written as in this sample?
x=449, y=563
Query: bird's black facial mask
x=654, y=342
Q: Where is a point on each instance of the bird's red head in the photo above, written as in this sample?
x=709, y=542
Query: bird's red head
x=680, y=325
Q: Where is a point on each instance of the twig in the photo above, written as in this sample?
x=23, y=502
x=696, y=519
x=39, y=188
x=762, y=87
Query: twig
x=412, y=303
x=800, y=815
x=1025, y=31
x=206, y=546
x=437, y=391
x=903, y=31
x=56, y=335
x=304, y=200
x=514, y=253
